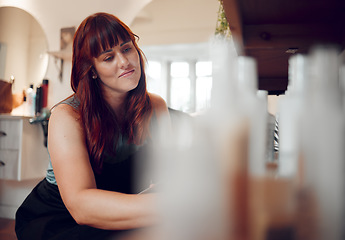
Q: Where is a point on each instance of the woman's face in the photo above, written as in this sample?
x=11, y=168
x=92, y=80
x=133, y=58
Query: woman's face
x=119, y=68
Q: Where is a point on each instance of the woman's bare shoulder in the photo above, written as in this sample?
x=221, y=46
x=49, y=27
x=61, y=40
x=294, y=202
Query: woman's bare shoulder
x=64, y=111
x=64, y=115
x=158, y=103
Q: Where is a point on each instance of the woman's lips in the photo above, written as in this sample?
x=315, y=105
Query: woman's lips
x=127, y=73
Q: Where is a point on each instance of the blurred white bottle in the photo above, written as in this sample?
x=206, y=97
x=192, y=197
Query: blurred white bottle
x=323, y=142
x=289, y=111
x=31, y=101
x=253, y=106
x=194, y=199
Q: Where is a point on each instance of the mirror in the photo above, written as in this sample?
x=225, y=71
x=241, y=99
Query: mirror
x=23, y=48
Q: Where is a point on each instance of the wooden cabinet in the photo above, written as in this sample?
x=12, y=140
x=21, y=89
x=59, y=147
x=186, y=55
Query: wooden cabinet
x=22, y=152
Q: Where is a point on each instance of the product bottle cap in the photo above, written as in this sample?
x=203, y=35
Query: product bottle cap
x=31, y=86
x=45, y=81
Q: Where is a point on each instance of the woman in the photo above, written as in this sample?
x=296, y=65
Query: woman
x=94, y=139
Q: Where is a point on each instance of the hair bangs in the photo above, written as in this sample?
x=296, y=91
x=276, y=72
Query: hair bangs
x=107, y=34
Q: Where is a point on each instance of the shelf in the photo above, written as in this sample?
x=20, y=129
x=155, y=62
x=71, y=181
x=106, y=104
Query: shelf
x=63, y=54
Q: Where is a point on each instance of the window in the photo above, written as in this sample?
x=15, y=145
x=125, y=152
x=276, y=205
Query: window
x=180, y=86
x=182, y=75
x=154, y=76
x=203, y=85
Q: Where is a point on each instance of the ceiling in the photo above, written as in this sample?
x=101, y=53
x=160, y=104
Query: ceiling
x=159, y=24
x=272, y=30
x=71, y=13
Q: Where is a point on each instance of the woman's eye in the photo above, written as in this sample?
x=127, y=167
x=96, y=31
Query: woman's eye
x=108, y=58
x=127, y=49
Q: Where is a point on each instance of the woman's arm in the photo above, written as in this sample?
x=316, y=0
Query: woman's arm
x=87, y=204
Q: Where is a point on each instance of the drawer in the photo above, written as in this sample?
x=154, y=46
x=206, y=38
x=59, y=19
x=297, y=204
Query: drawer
x=9, y=164
x=10, y=133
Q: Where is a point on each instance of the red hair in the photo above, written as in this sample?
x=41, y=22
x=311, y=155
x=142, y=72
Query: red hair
x=95, y=34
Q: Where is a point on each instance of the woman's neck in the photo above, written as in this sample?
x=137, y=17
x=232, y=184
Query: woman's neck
x=117, y=104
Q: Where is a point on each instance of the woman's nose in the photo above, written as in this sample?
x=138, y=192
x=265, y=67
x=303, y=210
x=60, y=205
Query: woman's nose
x=123, y=61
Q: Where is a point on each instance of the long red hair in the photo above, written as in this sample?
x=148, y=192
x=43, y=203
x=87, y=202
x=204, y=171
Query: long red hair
x=95, y=34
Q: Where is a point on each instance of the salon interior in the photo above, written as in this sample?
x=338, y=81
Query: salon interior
x=261, y=81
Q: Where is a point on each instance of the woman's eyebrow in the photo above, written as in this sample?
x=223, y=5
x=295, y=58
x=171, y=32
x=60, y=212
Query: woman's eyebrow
x=110, y=50
x=124, y=43
x=106, y=51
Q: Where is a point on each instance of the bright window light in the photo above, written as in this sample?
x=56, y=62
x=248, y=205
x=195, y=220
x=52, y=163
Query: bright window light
x=179, y=69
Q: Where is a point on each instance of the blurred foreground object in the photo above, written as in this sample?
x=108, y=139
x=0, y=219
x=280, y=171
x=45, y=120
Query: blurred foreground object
x=218, y=180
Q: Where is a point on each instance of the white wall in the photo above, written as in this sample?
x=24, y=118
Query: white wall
x=26, y=57
x=17, y=43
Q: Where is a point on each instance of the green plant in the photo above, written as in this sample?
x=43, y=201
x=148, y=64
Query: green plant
x=222, y=26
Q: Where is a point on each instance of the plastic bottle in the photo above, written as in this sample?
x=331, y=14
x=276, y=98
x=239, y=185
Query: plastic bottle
x=38, y=102
x=290, y=110
x=31, y=100
x=323, y=144
x=44, y=87
x=255, y=109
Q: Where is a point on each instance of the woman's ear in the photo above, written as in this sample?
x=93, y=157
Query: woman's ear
x=94, y=74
